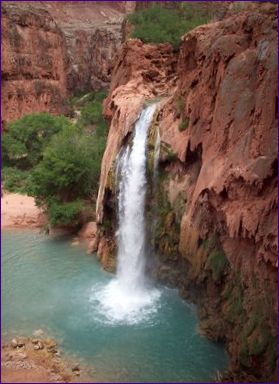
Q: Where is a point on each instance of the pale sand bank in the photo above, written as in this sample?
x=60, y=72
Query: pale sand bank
x=20, y=211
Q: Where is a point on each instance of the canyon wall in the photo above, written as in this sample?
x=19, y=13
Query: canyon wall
x=216, y=231
x=51, y=50
x=33, y=62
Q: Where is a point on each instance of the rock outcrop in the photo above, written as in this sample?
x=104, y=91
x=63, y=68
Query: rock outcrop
x=37, y=360
x=33, y=62
x=51, y=50
x=142, y=72
x=93, y=34
x=226, y=108
x=216, y=234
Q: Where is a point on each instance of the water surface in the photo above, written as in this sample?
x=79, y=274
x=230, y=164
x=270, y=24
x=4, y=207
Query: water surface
x=49, y=284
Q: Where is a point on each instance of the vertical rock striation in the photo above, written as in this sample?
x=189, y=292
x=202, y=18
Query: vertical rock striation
x=33, y=62
x=216, y=233
x=54, y=49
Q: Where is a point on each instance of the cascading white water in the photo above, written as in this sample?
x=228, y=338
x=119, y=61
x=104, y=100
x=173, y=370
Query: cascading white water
x=131, y=233
x=129, y=298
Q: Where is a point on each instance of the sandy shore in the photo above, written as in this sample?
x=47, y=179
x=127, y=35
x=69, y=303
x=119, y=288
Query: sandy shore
x=20, y=211
x=37, y=360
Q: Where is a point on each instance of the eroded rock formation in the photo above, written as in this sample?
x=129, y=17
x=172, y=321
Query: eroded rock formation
x=51, y=50
x=216, y=235
x=33, y=62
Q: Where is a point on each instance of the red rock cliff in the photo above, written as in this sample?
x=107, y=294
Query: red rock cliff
x=217, y=228
x=33, y=62
x=51, y=50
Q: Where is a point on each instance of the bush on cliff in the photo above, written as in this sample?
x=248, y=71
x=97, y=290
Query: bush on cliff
x=91, y=111
x=156, y=24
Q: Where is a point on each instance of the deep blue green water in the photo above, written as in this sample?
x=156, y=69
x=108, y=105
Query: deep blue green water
x=48, y=284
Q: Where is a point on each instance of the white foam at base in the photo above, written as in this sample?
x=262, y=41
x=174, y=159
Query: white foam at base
x=129, y=298
x=115, y=305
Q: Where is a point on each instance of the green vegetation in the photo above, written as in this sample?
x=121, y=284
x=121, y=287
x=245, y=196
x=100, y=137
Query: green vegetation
x=156, y=24
x=91, y=111
x=26, y=138
x=71, y=163
x=233, y=294
x=23, y=145
x=65, y=213
x=167, y=154
x=167, y=226
x=216, y=262
x=81, y=99
x=184, y=124
x=211, y=242
x=57, y=161
x=14, y=179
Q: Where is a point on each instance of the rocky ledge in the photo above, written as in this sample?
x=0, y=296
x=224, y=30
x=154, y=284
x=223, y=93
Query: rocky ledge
x=38, y=360
x=216, y=233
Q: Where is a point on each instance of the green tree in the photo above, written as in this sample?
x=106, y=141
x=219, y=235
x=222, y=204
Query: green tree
x=68, y=173
x=56, y=161
x=156, y=24
x=26, y=138
x=91, y=111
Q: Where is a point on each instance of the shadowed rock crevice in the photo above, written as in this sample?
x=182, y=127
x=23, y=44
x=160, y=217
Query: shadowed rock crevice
x=216, y=232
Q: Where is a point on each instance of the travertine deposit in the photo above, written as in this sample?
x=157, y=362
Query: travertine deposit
x=216, y=231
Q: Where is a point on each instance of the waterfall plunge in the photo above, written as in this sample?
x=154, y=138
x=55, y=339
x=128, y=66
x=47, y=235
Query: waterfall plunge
x=129, y=298
x=131, y=233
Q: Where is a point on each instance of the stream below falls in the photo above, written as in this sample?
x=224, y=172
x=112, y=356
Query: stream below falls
x=51, y=285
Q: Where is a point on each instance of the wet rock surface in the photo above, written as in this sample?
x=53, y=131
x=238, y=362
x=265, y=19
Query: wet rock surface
x=216, y=234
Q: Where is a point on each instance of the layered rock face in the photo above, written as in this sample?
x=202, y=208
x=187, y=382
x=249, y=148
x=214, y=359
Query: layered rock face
x=141, y=73
x=53, y=49
x=33, y=62
x=93, y=34
x=216, y=234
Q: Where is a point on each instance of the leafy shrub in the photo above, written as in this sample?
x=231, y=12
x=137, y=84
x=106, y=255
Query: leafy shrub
x=56, y=161
x=26, y=138
x=68, y=172
x=91, y=114
x=14, y=180
x=216, y=262
x=91, y=111
x=156, y=24
x=98, y=96
x=65, y=213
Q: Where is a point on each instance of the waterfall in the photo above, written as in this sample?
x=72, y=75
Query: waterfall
x=129, y=297
x=131, y=233
x=156, y=156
